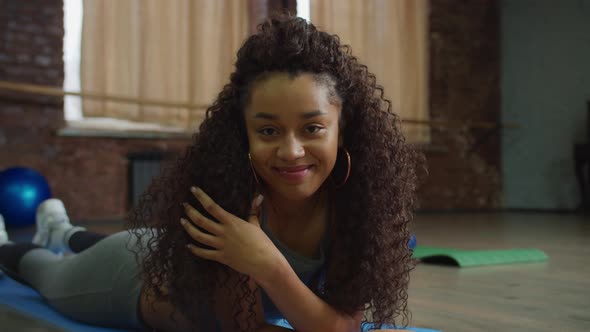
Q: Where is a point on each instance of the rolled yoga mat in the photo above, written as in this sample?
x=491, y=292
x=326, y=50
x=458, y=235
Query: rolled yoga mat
x=28, y=302
x=471, y=258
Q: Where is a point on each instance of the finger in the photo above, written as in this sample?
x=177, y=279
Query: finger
x=255, y=210
x=200, y=236
x=200, y=220
x=210, y=206
x=209, y=254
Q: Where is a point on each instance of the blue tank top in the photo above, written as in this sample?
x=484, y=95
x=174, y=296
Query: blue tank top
x=306, y=268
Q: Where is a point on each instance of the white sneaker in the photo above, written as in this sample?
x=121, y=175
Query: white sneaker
x=53, y=226
x=3, y=234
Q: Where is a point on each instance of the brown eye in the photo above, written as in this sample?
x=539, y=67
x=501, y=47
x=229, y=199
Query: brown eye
x=313, y=129
x=267, y=131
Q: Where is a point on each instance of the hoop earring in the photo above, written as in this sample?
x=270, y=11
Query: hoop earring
x=252, y=168
x=348, y=164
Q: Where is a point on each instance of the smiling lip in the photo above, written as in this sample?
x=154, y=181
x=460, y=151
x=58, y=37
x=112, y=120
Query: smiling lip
x=295, y=173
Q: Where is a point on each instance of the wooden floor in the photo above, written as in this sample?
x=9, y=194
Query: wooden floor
x=550, y=296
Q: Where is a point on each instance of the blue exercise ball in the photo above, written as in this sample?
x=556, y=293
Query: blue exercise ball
x=21, y=191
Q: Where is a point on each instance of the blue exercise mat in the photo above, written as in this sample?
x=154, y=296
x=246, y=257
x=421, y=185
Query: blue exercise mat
x=364, y=328
x=28, y=302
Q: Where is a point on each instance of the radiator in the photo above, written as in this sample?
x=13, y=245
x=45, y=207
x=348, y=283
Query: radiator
x=143, y=167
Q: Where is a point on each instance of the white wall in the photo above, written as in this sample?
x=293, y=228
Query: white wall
x=545, y=85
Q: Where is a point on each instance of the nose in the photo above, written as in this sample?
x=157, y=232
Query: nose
x=290, y=149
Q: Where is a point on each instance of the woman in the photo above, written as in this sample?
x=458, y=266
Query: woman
x=291, y=203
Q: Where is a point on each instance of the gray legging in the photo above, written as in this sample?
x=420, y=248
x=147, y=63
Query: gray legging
x=99, y=286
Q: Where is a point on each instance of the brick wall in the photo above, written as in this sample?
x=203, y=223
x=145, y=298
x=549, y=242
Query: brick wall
x=464, y=164
x=90, y=174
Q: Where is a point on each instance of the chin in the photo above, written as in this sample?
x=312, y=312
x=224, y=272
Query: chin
x=295, y=193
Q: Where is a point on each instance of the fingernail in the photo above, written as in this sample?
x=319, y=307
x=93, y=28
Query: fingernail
x=182, y=221
x=258, y=200
x=194, y=189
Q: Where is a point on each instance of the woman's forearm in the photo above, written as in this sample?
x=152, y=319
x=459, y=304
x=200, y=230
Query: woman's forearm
x=304, y=310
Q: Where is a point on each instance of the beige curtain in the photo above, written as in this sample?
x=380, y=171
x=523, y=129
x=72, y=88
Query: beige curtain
x=175, y=50
x=390, y=37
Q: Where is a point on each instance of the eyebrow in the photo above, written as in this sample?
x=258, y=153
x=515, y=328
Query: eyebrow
x=307, y=115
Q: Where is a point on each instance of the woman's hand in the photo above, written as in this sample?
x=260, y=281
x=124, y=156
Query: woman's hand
x=241, y=245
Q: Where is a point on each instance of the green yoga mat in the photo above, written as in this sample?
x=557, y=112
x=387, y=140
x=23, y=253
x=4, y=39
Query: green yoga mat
x=469, y=258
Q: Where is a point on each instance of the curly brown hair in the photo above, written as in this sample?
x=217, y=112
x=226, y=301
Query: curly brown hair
x=369, y=262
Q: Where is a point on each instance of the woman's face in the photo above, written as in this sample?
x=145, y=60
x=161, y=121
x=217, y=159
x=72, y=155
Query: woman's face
x=293, y=134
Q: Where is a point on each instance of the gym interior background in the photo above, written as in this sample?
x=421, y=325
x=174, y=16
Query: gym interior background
x=497, y=61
